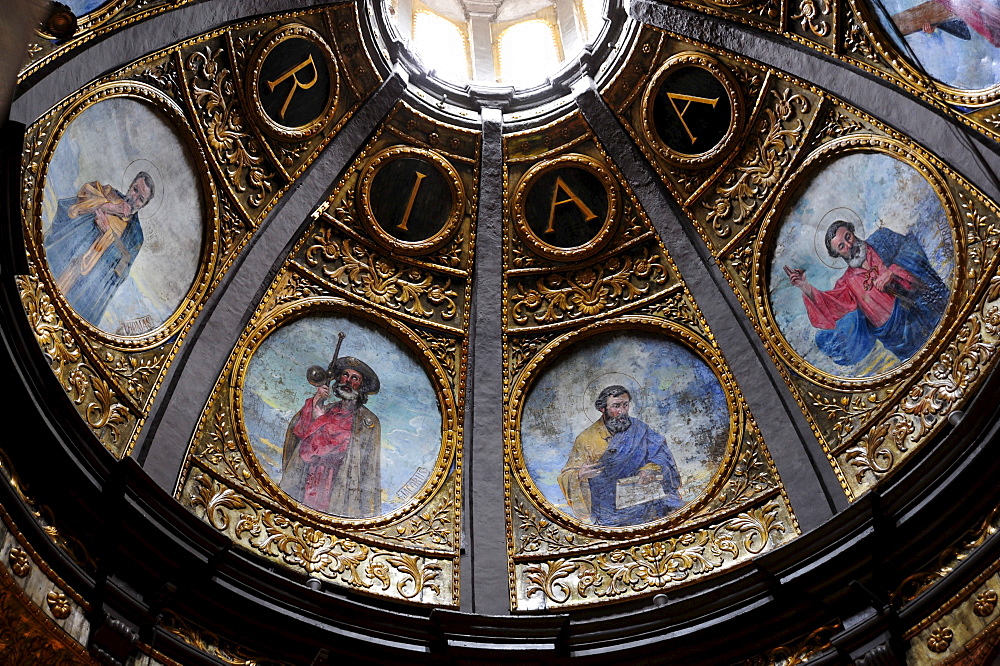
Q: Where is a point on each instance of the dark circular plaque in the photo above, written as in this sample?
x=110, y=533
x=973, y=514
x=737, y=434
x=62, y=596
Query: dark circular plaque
x=293, y=82
x=411, y=199
x=566, y=208
x=692, y=110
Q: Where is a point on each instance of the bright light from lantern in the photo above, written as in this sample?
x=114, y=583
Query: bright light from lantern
x=441, y=45
x=528, y=53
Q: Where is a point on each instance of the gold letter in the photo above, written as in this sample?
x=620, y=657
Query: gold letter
x=296, y=84
x=409, y=204
x=588, y=214
x=689, y=99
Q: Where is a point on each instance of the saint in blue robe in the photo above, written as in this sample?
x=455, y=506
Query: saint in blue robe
x=915, y=314
x=626, y=454
x=89, y=290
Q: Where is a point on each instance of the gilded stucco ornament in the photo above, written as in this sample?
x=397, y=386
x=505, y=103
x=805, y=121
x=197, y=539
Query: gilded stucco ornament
x=573, y=331
x=869, y=415
x=112, y=371
x=402, y=320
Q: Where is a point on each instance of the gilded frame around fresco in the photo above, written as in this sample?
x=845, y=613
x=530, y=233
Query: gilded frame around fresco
x=208, y=255
x=770, y=226
x=909, y=71
x=286, y=315
x=549, y=353
x=253, y=84
x=547, y=250
x=737, y=120
x=386, y=239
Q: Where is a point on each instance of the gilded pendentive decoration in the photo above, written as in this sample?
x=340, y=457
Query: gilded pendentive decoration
x=374, y=506
x=946, y=57
x=632, y=463
x=817, y=185
x=140, y=190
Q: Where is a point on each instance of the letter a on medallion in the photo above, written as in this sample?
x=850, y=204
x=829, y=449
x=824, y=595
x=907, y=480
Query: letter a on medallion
x=588, y=214
x=689, y=99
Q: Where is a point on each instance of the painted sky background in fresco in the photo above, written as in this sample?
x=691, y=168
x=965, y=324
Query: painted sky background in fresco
x=882, y=191
x=672, y=390
x=275, y=390
x=970, y=64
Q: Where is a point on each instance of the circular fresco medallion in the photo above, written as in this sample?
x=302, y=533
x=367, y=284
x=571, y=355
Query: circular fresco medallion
x=341, y=416
x=862, y=266
x=624, y=428
x=123, y=217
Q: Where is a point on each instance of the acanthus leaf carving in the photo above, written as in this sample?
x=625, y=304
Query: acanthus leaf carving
x=811, y=13
x=379, y=280
x=762, y=167
x=650, y=566
x=242, y=160
x=588, y=291
x=93, y=396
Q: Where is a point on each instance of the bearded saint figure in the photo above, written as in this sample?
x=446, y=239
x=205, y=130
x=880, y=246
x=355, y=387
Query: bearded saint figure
x=889, y=293
x=331, y=459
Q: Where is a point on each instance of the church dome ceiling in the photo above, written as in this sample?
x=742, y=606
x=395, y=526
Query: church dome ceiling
x=681, y=350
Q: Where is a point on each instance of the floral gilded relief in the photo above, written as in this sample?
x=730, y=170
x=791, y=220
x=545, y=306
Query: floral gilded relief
x=332, y=442
x=633, y=464
x=864, y=263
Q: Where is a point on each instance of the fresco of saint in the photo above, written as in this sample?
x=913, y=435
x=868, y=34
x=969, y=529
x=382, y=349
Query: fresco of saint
x=93, y=242
x=331, y=459
x=620, y=471
x=888, y=293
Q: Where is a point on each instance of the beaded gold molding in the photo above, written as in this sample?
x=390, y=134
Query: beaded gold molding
x=410, y=554
x=867, y=426
x=243, y=172
x=849, y=31
x=557, y=561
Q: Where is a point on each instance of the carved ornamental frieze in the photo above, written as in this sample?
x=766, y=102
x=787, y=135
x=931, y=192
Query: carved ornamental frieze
x=141, y=189
x=947, y=54
x=865, y=263
x=332, y=443
x=632, y=462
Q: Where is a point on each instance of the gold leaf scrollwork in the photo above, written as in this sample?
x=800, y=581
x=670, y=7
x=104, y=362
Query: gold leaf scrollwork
x=304, y=546
x=741, y=260
x=955, y=371
x=380, y=281
x=222, y=453
x=847, y=412
x=213, y=90
x=589, y=291
x=762, y=167
x=431, y=525
x=838, y=124
x=549, y=579
x=857, y=41
x=810, y=15
x=751, y=477
x=296, y=288
x=135, y=372
x=103, y=411
x=799, y=653
x=217, y=501
x=415, y=577
x=654, y=565
x=876, y=451
x=212, y=644
x=445, y=350
x=522, y=350
x=538, y=533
